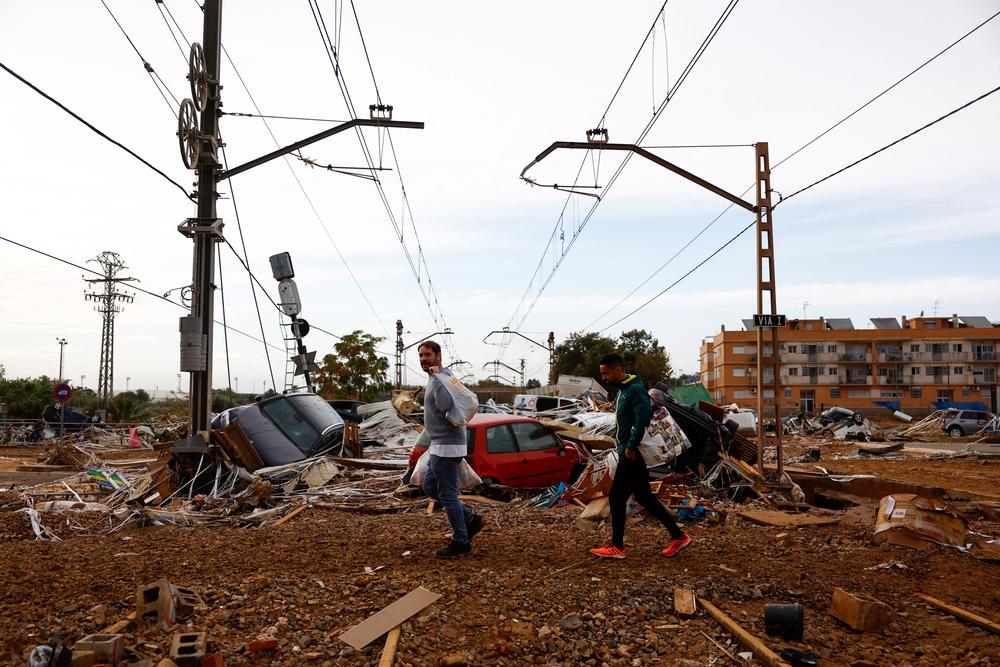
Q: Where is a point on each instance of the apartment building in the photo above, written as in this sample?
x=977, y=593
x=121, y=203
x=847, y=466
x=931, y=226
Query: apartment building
x=913, y=363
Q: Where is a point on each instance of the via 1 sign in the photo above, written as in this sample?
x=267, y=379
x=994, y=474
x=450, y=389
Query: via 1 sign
x=766, y=321
x=62, y=392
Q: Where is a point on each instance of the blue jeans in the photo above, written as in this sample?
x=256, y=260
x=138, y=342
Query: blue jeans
x=441, y=484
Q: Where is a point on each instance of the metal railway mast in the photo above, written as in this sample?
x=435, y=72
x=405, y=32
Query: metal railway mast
x=108, y=300
x=597, y=139
x=198, y=135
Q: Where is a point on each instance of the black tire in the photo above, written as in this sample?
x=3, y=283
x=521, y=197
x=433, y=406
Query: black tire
x=956, y=432
x=858, y=418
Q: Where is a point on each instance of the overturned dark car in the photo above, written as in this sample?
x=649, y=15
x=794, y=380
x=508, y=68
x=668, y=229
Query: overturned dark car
x=288, y=427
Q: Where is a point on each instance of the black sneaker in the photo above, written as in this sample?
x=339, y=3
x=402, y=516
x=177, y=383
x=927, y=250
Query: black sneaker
x=475, y=526
x=454, y=550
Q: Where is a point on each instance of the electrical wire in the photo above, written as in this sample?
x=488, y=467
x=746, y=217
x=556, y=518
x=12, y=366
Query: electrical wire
x=890, y=145
x=789, y=157
x=839, y=171
x=153, y=75
x=706, y=42
x=305, y=194
x=131, y=286
x=94, y=129
x=420, y=268
x=246, y=265
x=257, y=115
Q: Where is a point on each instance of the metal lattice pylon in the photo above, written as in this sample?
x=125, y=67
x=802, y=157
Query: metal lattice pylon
x=107, y=300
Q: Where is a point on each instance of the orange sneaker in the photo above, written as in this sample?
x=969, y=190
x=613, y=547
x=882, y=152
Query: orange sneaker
x=676, y=546
x=609, y=552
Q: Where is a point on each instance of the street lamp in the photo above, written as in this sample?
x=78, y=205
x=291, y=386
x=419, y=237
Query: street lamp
x=127, y=380
x=82, y=378
x=62, y=344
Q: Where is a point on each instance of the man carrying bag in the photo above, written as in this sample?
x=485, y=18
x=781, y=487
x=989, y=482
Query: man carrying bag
x=447, y=408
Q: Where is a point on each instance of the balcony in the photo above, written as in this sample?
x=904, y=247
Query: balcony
x=984, y=356
x=858, y=357
x=818, y=357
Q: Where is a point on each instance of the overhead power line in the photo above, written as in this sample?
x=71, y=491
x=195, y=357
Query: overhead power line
x=752, y=223
x=789, y=157
x=92, y=128
x=578, y=229
x=131, y=286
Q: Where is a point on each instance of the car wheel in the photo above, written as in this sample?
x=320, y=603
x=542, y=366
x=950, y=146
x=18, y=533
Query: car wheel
x=858, y=418
x=956, y=432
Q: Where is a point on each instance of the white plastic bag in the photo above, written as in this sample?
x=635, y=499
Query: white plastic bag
x=465, y=402
x=467, y=477
x=420, y=469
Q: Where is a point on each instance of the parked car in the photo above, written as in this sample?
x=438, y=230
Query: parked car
x=528, y=403
x=347, y=409
x=288, y=427
x=958, y=423
x=516, y=451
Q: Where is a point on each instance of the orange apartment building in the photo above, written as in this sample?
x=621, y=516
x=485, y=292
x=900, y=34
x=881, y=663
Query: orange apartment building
x=825, y=362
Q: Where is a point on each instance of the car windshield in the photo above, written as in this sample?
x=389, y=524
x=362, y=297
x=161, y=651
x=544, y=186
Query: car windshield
x=303, y=419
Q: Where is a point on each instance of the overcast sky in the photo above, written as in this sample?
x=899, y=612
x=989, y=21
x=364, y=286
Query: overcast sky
x=913, y=229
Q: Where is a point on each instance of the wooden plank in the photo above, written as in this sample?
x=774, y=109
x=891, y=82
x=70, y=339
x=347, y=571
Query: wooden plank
x=430, y=507
x=376, y=625
x=685, y=603
x=859, y=611
x=787, y=520
x=119, y=626
x=975, y=619
x=288, y=516
x=747, y=640
x=389, y=650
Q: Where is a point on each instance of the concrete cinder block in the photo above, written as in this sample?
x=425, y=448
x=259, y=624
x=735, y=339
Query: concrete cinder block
x=106, y=648
x=186, y=600
x=155, y=604
x=84, y=658
x=188, y=648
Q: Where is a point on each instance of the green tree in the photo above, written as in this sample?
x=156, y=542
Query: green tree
x=356, y=370
x=644, y=356
x=26, y=398
x=128, y=406
x=533, y=384
x=579, y=355
x=84, y=400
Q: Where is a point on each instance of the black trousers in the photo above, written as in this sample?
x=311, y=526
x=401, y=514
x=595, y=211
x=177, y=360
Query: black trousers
x=632, y=479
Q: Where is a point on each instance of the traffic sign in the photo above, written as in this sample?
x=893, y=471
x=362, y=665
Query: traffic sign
x=769, y=321
x=62, y=392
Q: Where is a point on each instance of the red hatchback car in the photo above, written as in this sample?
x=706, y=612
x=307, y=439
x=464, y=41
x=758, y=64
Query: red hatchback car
x=516, y=451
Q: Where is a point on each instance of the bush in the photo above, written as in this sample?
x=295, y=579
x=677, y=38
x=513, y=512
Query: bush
x=26, y=398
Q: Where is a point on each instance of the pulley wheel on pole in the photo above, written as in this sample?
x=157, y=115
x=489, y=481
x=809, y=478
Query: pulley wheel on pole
x=198, y=76
x=187, y=134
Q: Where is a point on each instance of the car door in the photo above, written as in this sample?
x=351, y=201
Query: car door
x=501, y=460
x=542, y=453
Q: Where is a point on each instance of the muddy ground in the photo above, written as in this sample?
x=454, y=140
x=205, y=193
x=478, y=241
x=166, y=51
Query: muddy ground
x=530, y=593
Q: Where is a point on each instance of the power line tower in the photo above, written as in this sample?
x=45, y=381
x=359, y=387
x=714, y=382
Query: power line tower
x=108, y=300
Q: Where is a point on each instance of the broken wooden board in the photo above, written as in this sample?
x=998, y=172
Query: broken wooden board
x=596, y=509
x=381, y=622
x=320, y=473
x=786, y=519
x=372, y=464
x=685, y=603
x=880, y=448
x=860, y=612
x=968, y=616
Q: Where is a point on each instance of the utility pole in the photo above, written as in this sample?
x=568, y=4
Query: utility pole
x=107, y=304
x=399, y=354
x=551, y=347
x=597, y=140
x=127, y=381
x=62, y=344
x=522, y=374
x=199, y=143
x=552, y=356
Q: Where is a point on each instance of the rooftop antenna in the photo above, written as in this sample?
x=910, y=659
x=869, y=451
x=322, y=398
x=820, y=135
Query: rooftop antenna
x=937, y=302
x=805, y=304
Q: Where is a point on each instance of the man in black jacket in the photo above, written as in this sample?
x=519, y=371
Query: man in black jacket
x=633, y=413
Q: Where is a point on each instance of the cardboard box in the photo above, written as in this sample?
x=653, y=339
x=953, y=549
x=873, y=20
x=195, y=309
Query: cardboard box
x=913, y=521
